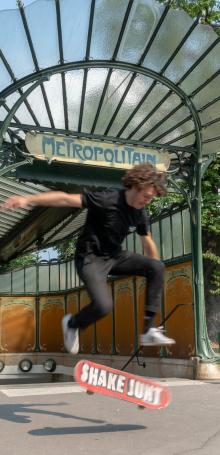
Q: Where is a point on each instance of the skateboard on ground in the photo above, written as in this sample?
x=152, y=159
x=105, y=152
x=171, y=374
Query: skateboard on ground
x=97, y=378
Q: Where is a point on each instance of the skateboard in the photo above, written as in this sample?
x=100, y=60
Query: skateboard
x=97, y=378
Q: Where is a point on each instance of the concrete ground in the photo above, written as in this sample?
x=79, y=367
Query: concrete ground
x=60, y=418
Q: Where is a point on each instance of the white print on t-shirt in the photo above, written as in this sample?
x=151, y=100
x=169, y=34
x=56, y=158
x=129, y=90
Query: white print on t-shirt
x=132, y=228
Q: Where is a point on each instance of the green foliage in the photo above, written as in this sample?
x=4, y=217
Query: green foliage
x=212, y=257
x=211, y=217
x=215, y=279
x=208, y=9
x=165, y=202
x=20, y=261
x=66, y=249
x=211, y=198
x=216, y=283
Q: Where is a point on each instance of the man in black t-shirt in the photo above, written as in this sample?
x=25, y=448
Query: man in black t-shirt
x=111, y=216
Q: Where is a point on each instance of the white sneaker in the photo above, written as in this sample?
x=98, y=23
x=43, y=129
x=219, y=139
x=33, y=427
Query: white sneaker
x=70, y=336
x=155, y=337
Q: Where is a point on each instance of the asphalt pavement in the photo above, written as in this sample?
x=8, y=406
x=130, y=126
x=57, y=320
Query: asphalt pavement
x=60, y=418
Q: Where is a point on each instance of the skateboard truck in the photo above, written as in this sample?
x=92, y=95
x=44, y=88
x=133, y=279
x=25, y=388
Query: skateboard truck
x=141, y=364
x=136, y=353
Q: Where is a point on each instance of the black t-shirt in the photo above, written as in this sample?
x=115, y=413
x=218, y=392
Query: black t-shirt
x=109, y=220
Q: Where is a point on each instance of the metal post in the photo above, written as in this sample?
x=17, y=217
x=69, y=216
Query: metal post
x=203, y=347
x=37, y=311
x=202, y=343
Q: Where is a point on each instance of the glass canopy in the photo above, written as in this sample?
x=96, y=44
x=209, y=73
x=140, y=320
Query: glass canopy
x=127, y=70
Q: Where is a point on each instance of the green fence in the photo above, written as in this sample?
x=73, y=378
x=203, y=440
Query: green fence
x=171, y=232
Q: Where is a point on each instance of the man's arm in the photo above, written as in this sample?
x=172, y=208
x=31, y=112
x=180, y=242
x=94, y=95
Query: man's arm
x=149, y=247
x=49, y=199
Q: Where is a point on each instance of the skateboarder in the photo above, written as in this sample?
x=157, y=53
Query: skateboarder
x=111, y=215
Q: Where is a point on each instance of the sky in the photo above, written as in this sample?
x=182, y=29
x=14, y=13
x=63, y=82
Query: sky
x=11, y=4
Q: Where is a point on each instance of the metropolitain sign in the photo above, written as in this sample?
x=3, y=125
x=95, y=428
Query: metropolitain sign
x=74, y=150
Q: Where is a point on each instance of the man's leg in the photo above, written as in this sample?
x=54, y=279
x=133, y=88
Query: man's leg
x=94, y=275
x=93, y=271
x=129, y=263
x=135, y=264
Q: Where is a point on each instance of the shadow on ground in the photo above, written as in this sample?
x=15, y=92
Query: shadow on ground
x=107, y=428
x=11, y=412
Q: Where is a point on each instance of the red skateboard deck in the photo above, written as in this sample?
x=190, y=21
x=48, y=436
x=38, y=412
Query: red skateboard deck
x=97, y=378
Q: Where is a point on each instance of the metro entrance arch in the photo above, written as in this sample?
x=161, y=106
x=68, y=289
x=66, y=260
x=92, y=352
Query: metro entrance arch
x=143, y=78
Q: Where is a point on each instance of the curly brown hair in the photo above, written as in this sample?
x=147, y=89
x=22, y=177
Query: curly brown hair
x=144, y=175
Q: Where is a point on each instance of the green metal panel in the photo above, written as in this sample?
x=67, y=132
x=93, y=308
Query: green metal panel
x=73, y=176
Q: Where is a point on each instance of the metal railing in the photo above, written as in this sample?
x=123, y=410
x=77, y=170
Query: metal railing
x=170, y=232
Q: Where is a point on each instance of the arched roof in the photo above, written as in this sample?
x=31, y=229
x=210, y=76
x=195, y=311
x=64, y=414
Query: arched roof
x=130, y=71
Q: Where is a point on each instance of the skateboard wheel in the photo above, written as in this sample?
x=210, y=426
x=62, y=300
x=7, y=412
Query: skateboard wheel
x=141, y=407
x=90, y=392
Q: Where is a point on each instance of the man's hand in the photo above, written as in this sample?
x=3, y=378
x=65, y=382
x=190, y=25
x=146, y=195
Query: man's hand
x=15, y=202
x=48, y=199
x=149, y=247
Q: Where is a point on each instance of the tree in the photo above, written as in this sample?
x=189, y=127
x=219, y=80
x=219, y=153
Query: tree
x=211, y=226
x=209, y=10
x=18, y=262
x=66, y=249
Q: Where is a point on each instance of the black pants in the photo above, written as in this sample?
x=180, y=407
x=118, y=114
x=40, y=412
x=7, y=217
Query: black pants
x=94, y=270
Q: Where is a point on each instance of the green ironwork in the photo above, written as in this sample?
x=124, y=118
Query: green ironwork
x=206, y=163
x=34, y=57
x=12, y=167
x=101, y=137
x=37, y=309
x=203, y=347
x=6, y=123
x=48, y=72
x=17, y=104
x=13, y=78
x=60, y=41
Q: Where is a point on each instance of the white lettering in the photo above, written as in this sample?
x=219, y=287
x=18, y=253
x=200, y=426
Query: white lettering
x=111, y=381
x=148, y=394
x=102, y=381
x=145, y=392
x=157, y=393
x=131, y=383
x=139, y=390
x=93, y=376
x=85, y=372
x=120, y=384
